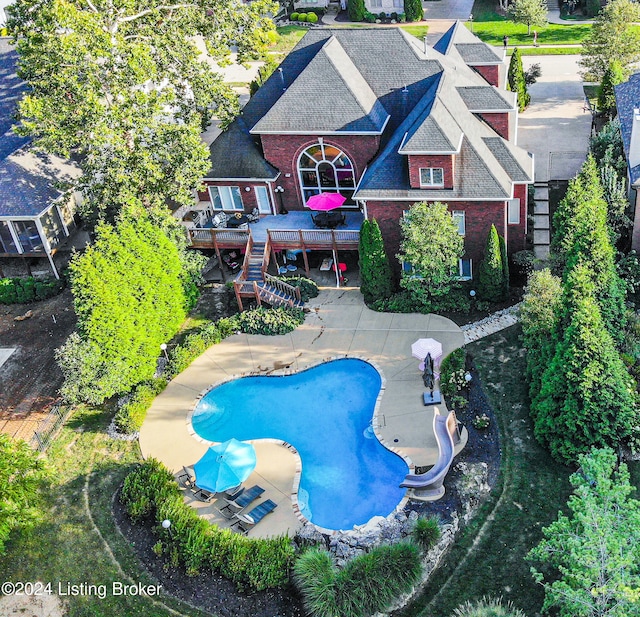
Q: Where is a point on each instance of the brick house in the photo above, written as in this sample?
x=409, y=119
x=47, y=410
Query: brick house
x=628, y=106
x=386, y=121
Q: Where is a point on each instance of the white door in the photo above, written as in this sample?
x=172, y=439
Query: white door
x=262, y=197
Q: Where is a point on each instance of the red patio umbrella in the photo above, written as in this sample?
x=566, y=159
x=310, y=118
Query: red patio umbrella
x=325, y=201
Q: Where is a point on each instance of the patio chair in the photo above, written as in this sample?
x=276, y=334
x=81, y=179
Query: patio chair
x=239, y=502
x=248, y=521
x=205, y=495
x=186, y=477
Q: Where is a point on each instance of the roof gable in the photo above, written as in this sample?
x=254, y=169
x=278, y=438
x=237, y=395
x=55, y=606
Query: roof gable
x=434, y=132
x=487, y=98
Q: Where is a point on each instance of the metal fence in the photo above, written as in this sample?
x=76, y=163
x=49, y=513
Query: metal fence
x=48, y=427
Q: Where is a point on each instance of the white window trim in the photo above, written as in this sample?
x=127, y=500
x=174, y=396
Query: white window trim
x=223, y=209
x=461, y=277
x=461, y=214
x=431, y=170
x=510, y=203
x=266, y=193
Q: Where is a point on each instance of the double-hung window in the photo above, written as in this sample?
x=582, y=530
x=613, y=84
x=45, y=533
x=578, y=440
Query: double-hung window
x=432, y=176
x=226, y=197
x=465, y=269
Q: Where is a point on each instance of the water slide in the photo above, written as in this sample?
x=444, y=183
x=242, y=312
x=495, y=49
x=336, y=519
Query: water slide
x=428, y=486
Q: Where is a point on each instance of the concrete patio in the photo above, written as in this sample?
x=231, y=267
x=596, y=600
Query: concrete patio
x=338, y=325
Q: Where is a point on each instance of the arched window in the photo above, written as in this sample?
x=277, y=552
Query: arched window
x=325, y=169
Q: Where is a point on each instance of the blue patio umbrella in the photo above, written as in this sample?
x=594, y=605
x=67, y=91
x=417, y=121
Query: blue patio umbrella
x=225, y=465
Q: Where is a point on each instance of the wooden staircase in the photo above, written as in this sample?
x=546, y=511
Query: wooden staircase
x=254, y=282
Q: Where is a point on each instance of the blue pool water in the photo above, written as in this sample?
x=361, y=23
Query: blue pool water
x=325, y=412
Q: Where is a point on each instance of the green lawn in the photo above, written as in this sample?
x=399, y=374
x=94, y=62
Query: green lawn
x=547, y=51
x=417, y=30
x=66, y=546
x=488, y=559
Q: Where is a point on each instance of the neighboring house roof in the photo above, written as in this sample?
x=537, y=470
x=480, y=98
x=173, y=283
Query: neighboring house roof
x=628, y=99
x=29, y=182
x=11, y=90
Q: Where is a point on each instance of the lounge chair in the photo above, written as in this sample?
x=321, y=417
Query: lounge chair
x=187, y=477
x=247, y=521
x=205, y=495
x=235, y=504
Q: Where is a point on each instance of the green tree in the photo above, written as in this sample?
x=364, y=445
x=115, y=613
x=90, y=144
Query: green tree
x=491, y=277
x=538, y=315
x=123, y=86
x=591, y=558
x=613, y=76
x=529, y=12
x=413, y=10
x=505, y=265
x=615, y=194
x=612, y=37
x=356, y=10
x=581, y=235
x=21, y=474
x=432, y=246
x=606, y=147
x=587, y=398
x=130, y=295
x=376, y=278
x=516, y=80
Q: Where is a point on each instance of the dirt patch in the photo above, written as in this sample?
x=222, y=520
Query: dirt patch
x=31, y=606
x=30, y=378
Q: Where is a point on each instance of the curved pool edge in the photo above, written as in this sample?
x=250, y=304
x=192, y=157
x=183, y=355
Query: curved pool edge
x=298, y=471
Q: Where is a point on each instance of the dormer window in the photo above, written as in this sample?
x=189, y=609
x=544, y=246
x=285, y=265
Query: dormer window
x=432, y=177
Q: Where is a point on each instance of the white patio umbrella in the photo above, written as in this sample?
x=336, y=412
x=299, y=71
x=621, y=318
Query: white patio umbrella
x=425, y=346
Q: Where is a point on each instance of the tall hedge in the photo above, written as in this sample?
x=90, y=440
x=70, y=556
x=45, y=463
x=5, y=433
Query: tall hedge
x=413, y=10
x=516, y=81
x=587, y=397
x=130, y=295
x=356, y=10
x=491, y=275
x=376, y=277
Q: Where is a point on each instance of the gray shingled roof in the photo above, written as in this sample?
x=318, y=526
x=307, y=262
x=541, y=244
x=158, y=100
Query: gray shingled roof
x=435, y=131
x=477, y=53
x=485, y=98
x=235, y=154
x=11, y=91
x=628, y=99
x=513, y=160
x=330, y=95
x=28, y=182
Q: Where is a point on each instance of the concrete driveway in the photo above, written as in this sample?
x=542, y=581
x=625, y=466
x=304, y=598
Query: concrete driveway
x=555, y=126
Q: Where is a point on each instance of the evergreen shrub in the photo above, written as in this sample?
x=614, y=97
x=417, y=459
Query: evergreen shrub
x=426, y=532
x=25, y=290
x=294, y=16
x=308, y=288
x=516, y=80
x=281, y=320
x=356, y=10
x=413, y=10
x=491, y=275
x=150, y=495
x=376, y=277
x=312, y=18
x=131, y=415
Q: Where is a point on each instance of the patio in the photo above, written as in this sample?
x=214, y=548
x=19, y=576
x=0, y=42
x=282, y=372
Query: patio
x=337, y=325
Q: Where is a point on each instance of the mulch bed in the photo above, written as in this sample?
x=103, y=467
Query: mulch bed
x=219, y=596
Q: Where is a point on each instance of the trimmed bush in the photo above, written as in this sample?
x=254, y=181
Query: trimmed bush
x=25, y=290
x=302, y=17
x=426, y=532
x=370, y=18
x=413, y=10
x=308, y=288
x=294, y=16
x=312, y=18
x=376, y=277
x=452, y=372
x=517, y=81
x=280, y=320
x=366, y=585
x=150, y=495
x=491, y=275
x=356, y=10
x=131, y=415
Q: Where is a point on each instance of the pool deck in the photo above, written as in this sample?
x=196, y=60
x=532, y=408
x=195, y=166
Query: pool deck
x=338, y=325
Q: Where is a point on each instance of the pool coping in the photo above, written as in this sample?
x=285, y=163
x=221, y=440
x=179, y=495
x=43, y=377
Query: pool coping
x=298, y=470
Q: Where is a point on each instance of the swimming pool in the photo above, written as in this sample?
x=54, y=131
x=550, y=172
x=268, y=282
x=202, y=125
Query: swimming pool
x=325, y=412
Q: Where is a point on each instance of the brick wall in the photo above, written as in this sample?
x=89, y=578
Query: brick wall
x=282, y=151
x=417, y=161
x=499, y=122
x=249, y=201
x=490, y=72
x=479, y=216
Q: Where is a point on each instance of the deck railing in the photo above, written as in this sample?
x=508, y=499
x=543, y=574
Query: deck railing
x=314, y=238
x=285, y=288
x=224, y=238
